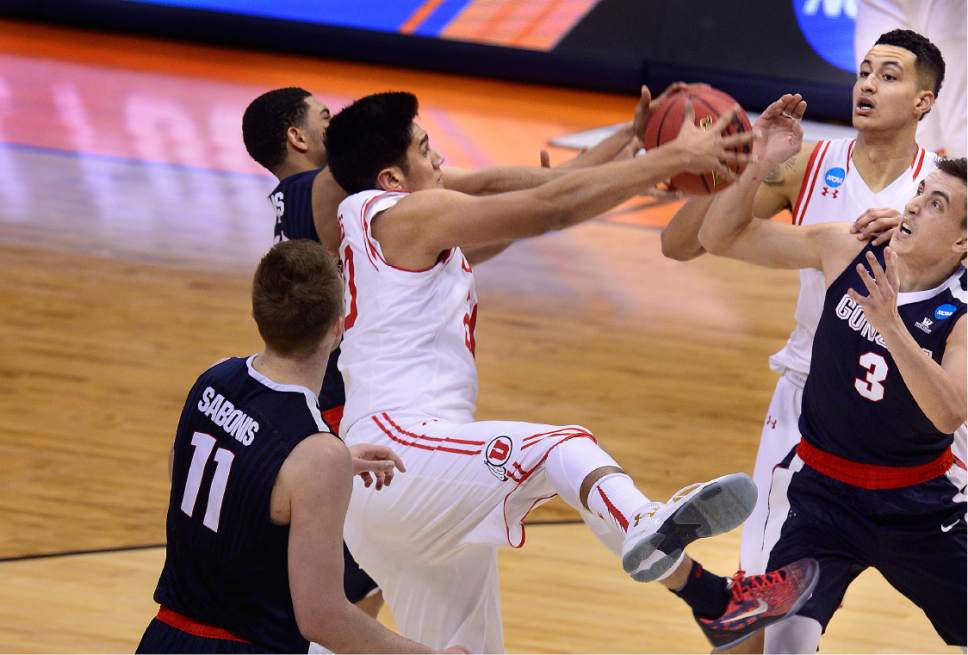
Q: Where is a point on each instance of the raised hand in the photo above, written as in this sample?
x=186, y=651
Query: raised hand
x=706, y=150
x=646, y=105
x=880, y=305
x=877, y=223
x=375, y=463
x=779, y=135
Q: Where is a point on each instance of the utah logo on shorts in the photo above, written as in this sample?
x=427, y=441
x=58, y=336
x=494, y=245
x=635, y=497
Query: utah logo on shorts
x=497, y=454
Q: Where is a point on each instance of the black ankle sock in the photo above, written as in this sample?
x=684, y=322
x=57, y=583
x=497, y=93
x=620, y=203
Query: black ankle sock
x=705, y=593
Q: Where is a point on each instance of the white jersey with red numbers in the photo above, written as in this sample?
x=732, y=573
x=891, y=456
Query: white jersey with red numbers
x=408, y=344
x=833, y=191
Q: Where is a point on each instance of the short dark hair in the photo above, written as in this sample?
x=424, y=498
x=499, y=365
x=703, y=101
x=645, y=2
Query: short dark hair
x=956, y=168
x=266, y=121
x=372, y=133
x=297, y=295
x=928, y=60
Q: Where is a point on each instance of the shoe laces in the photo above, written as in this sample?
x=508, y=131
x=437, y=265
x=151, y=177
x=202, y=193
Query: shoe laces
x=741, y=586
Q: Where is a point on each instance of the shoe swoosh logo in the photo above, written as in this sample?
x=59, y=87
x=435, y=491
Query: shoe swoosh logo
x=756, y=611
x=947, y=528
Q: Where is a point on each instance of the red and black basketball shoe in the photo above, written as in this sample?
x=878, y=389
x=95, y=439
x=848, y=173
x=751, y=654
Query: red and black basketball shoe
x=761, y=600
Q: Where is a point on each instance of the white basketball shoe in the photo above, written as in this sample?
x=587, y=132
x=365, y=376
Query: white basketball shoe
x=656, y=540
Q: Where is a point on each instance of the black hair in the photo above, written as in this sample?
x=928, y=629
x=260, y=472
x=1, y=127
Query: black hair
x=266, y=121
x=371, y=134
x=928, y=60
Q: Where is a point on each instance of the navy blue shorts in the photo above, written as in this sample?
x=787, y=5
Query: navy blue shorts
x=914, y=536
x=162, y=638
x=356, y=582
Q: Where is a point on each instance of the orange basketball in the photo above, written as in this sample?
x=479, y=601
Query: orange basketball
x=709, y=104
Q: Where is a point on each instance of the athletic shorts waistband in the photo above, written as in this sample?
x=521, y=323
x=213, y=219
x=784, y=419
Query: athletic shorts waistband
x=872, y=476
x=192, y=627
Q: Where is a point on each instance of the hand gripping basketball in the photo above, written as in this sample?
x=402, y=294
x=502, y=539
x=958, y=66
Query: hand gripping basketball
x=707, y=149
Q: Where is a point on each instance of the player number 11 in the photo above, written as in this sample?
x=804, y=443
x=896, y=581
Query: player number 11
x=203, y=444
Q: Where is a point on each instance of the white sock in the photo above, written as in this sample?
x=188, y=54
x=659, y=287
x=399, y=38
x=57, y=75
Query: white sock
x=568, y=465
x=615, y=500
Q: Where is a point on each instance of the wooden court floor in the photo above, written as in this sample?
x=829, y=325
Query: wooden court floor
x=130, y=223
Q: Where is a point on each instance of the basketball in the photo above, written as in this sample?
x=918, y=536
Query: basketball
x=709, y=104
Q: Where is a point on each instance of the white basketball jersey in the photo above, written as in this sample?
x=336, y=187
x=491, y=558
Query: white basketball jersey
x=832, y=190
x=408, y=343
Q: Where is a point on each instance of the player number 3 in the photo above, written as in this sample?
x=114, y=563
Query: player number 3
x=870, y=387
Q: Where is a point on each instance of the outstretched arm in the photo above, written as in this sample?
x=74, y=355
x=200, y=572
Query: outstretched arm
x=423, y=224
x=680, y=238
x=620, y=145
x=939, y=389
x=729, y=228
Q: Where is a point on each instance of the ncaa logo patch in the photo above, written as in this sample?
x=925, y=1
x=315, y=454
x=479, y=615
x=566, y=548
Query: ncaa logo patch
x=945, y=311
x=497, y=454
x=835, y=177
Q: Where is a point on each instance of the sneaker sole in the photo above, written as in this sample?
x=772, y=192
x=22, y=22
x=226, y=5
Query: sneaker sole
x=804, y=597
x=720, y=506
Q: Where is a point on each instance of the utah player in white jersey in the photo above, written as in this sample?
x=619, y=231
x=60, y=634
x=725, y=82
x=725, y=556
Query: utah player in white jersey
x=942, y=21
x=868, y=178
x=284, y=130
x=408, y=363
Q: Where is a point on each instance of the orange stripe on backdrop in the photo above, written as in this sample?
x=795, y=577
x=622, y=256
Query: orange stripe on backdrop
x=419, y=16
x=521, y=38
x=538, y=24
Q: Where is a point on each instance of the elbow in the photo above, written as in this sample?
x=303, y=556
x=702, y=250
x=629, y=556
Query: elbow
x=678, y=252
x=322, y=624
x=948, y=422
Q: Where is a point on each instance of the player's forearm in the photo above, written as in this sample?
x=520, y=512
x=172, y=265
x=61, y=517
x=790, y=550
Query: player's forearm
x=499, y=179
x=604, y=151
x=932, y=387
x=587, y=192
x=348, y=629
x=680, y=238
x=731, y=213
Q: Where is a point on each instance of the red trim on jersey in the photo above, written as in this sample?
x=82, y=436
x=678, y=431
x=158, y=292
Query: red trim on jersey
x=424, y=436
x=850, y=150
x=192, y=627
x=369, y=248
x=613, y=510
x=527, y=474
x=803, y=182
x=917, y=169
x=557, y=433
x=524, y=534
x=333, y=417
x=813, y=182
x=872, y=476
x=456, y=451
x=376, y=252
x=959, y=464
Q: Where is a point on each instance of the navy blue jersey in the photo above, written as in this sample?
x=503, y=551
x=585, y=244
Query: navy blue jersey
x=226, y=564
x=856, y=405
x=292, y=200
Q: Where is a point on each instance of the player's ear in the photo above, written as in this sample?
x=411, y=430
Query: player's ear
x=295, y=138
x=390, y=179
x=961, y=245
x=925, y=102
